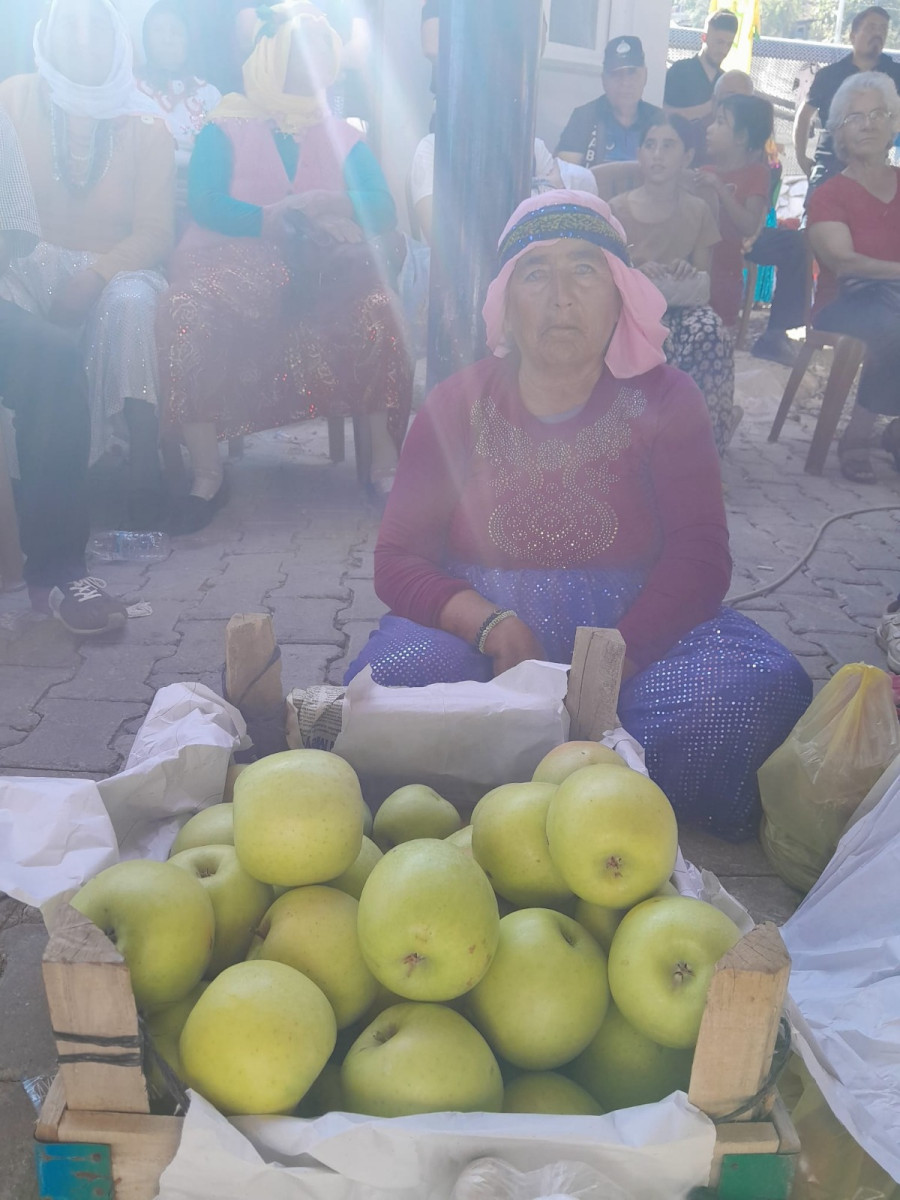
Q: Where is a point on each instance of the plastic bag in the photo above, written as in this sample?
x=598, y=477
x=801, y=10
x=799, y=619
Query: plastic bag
x=811, y=786
x=831, y=1165
x=494, y=1179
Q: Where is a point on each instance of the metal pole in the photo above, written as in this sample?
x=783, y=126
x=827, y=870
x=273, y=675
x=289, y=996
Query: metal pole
x=484, y=152
x=839, y=22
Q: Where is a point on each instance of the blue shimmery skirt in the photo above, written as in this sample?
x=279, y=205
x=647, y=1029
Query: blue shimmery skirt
x=708, y=714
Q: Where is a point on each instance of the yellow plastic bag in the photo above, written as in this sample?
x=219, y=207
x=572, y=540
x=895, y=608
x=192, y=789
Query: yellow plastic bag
x=813, y=783
x=831, y=1165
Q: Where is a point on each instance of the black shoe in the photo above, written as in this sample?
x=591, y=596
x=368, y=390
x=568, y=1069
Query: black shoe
x=190, y=514
x=776, y=347
x=148, y=508
x=85, y=608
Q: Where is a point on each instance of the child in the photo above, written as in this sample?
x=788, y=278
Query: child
x=738, y=182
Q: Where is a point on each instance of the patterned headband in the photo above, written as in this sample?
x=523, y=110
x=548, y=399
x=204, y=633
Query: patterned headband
x=562, y=221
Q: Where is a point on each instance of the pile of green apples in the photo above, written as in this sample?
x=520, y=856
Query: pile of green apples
x=536, y=960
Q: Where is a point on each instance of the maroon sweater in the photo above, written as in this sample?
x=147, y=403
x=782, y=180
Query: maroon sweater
x=631, y=482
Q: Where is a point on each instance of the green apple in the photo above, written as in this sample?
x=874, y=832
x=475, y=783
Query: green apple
x=313, y=929
x=234, y=770
x=545, y=995
x=213, y=826
x=419, y=1058
x=298, y=817
x=622, y=1068
x=239, y=901
x=661, y=962
x=613, y=835
x=462, y=838
x=428, y=921
x=509, y=842
x=368, y=820
x=356, y=875
x=550, y=1093
x=257, y=1039
x=160, y=919
x=164, y=1024
x=563, y=760
x=414, y=811
x=602, y=922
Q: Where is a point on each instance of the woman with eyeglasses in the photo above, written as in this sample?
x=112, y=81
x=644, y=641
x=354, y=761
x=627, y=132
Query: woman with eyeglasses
x=854, y=231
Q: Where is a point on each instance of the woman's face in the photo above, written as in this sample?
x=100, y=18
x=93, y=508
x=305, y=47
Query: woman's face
x=720, y=136
x=82, y=42
x=867, y=129
x=563, y=305
x=166, y=43
x=663, y=155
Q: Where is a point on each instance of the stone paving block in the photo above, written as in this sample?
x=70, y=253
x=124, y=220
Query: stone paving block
x=363, y=565
x=723, y=858
x=38, y=643
x=819, y=667
x=852, y=648
x=163, y=675
x=202, y=647
x=308, y=621
x=776, y=623
x=831, y=564
x=766, y=898
x=824, y=615
x=72, y=737
x=113, y=673
x=26, y=1044
x=268, y=537
x=305, y=666
x=358, y=634
x=306, y=576
x=365, y=605
x=242, y=586
x=17, y=1116
x=867, y=550
x=159, y=629
x=20, y=690
x=864, y=604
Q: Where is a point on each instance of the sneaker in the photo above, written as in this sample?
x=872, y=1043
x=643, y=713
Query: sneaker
x=776, y=347
x=887, y=636
x=85, y=608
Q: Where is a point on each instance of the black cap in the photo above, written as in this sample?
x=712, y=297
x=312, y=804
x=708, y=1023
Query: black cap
x=623, y=52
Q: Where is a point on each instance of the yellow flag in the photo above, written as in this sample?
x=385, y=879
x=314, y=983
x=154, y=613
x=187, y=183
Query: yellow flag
x=741, y=53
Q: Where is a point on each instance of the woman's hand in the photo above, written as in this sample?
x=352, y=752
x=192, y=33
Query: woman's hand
x=342, y=229
x=511, y=642
x=681, y=269
x=653, y=270
x=75, y=299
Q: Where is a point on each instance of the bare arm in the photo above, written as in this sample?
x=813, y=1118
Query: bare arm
x=802, y=121
x=615, y=178
x=509, y=643
x=701, y=258
x=431, y=37
x=425, y=214
x=832, y=245
x=747, y=217
x=570, y=156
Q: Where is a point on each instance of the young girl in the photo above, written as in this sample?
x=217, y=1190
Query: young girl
x=738, y=180
x=672, y=235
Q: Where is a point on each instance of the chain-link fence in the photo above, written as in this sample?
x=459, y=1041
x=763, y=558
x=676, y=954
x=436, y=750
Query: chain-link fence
x=782, y=71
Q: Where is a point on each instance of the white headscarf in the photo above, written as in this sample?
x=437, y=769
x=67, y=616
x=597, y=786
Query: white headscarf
x=118, y=96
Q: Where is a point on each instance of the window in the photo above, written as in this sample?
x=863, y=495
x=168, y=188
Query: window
x=574, y=23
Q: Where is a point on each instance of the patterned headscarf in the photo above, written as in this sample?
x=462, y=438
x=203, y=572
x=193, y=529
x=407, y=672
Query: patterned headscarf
x=265, y=70
x=637, y=341
x=117, y=96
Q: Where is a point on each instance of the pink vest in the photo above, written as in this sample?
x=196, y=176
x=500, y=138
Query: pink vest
x=258, y=175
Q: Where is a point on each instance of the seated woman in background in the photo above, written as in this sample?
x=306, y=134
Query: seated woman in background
x=572, y=479
x=738, y=181
x=671, y=235
x=854, y=231
x=166, y=77
x=247, y=340
x=102, y=168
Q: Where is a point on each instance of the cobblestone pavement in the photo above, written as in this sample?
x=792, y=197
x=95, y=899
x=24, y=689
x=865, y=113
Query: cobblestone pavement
x=297, y=540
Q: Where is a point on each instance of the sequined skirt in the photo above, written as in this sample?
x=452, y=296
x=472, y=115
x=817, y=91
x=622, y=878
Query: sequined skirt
x=708, y=714
x=118, y=337
x=232, y=352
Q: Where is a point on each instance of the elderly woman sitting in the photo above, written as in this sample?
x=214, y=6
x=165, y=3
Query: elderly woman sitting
x=572, y=479
x=102, y=166
x=250, y=337
x=854, y=230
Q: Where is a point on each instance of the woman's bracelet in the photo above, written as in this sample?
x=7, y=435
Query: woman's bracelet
x=490, y=624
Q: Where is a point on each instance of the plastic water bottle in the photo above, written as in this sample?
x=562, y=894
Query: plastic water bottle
x=123, y=545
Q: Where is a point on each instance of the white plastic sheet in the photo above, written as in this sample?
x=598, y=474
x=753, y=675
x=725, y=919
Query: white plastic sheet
x=844, y=941
x=658, y=1152
x=57, y=833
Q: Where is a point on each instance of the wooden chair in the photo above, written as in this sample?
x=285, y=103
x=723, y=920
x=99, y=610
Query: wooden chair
x=11, y=559
x=747, y=307
x=362, y=442
x=848, y=356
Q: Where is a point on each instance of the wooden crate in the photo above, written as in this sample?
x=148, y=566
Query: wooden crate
x=99, y=1097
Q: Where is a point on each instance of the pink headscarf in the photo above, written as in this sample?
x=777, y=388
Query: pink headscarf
x=637, y=341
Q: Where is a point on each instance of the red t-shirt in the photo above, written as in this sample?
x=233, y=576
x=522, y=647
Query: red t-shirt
x=874, y=226
x=630, y=481
x=726, y=276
